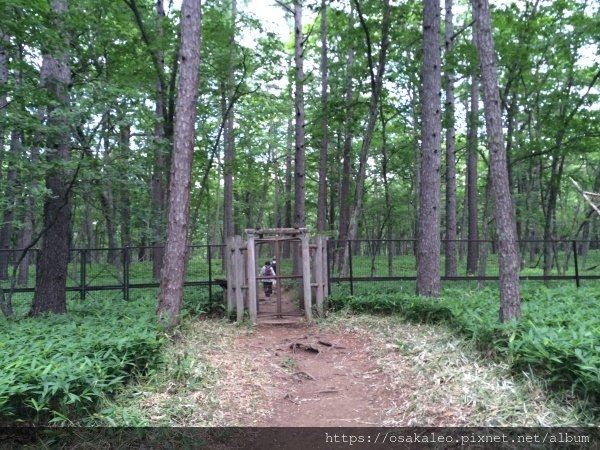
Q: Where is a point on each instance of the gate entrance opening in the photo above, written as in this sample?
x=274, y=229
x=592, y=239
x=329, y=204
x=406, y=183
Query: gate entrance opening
x=299, y=274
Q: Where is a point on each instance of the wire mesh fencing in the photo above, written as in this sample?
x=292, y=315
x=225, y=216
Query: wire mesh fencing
x=118, y=273
x=357, y=266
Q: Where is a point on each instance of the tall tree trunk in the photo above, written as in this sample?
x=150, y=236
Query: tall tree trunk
x=228, y=138
x=299, y=158
x=107, y=198
x=173, y=275
x=344, y=202
x=322, y=199
x=508, y=249
x=124, y=200
x=6, y=231
x=450, y=269
x=385, y=158
x=556, y=170
x=472, y=201
x=428, y=242
x=160, y=164
x=483, y=249
x=4, y=239
x=287, y=214
x=376, y=87
x=51, y=275
x=335, y=180
x=30, y=218
x=4, y=45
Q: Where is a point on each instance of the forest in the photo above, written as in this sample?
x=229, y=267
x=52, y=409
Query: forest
x=442, y=138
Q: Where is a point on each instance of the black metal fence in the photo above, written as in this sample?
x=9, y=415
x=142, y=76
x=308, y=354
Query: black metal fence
x=117, y=272
x=352, y=265
x=392, y=263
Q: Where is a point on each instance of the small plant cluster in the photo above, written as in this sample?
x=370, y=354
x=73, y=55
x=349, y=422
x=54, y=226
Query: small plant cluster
x=558, y=335
x=56, y=368
x=198, y=302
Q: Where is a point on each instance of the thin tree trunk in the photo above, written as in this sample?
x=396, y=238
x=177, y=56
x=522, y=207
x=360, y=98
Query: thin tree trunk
x=386, y=190
x=30, y=210
x=376, y=87
x=6, y=228
x=160, y=164
x=346, y=158
x=450, y=269
x=322, y=199
x=299, y=158
x=51, y=274
x=173, y=275
x=4, y=45
x=472, y=201
x=508, y=249
x=107, y=199
x=483, y=250
x=229, y=141
x=287, y=215
x=124, y=200
x=6, y=231
x=428, y=242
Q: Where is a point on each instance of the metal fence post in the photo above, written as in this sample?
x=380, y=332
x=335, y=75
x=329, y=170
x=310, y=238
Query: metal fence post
x=126, y=252
x=328, y=253
x=83, y=262
x=574, y=243
x=210, y=280
x=350, y=267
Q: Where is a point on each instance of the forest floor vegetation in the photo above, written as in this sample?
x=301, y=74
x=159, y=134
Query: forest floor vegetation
x=346, y=370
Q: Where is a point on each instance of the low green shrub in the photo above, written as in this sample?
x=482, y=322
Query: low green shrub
x=558, y=334
x=58, y=366
x=198, y=302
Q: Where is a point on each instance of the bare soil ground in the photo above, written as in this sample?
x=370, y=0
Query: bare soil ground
x=318, y=378
x=341, y=371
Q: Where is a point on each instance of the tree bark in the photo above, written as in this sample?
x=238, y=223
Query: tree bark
x=346, y=160
x=30, y=218
x=287, y=213
x=376, y=87
x=472, y=201
x=107, y=198
x=6, y=231
x=428, y=241
x=4, y=43
x=450, y=269
x=173, y=275
x=124, y=200
x=3, y=104
x=322, y=199
x=51, y=275
x=508, y=250
x=228, y=138
x=299, y=156
x=299, y=159
x=160, y=164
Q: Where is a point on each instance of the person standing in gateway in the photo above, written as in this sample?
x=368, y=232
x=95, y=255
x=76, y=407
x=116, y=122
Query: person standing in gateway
x=274, y=265
x=267, y=271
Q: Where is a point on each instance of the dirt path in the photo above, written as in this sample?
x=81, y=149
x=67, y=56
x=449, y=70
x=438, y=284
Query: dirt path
x=319, y=378
x=378, y=371
x=343, y=371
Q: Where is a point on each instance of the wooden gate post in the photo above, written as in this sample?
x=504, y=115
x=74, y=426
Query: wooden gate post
x=306, y=275
x=324, y=265
x=238, y=277
x=318, y=265
x=251, y=277
x=229, y=251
